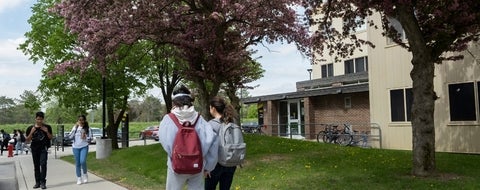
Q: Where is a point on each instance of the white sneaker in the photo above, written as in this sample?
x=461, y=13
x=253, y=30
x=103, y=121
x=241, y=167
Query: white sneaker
x=85, y=178
x=79, y=180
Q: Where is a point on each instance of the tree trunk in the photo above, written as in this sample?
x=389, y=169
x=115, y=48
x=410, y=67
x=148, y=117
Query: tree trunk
x=234, y=101
x=423, y=128
x=111, y=125
x=204, y=95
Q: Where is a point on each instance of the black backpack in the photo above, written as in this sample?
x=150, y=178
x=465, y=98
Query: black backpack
x=6, y=138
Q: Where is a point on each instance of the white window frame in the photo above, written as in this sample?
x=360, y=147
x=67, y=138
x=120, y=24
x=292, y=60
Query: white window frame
x=328, y=74
x=354, y=62
x=396, y=24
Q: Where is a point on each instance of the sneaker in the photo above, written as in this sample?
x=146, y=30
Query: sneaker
x=79, y=180
x=85, y=178
x=37, y=185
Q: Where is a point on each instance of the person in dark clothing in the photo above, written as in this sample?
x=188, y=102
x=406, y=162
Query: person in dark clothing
x=40, y=135
x=4, y=144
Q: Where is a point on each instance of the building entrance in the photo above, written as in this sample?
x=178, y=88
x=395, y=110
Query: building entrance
x=291, y=119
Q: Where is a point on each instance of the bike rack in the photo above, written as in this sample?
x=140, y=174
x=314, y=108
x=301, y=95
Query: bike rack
x=374, y=131
x=377, y=136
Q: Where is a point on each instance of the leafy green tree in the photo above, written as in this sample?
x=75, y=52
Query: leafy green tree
x=80, y=88
x=252, y=111
x=30, y=100
x=58, y=114
x=148, y=110
x=6, y=112
x=129, y=73
x=235, y=86
x=164, y=72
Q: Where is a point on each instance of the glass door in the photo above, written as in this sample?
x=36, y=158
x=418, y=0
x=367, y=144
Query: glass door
x=294, y=119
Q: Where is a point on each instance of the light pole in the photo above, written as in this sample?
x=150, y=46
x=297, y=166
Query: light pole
x=104, y=98
x=310, y=73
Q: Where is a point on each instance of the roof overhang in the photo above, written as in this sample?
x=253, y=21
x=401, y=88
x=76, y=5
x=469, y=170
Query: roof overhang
x=345, y=89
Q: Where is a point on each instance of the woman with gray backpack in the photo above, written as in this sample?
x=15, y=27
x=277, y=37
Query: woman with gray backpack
x=230, y=138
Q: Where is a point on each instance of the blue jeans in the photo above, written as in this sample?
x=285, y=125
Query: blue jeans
x=80, y=155
x=19, y=147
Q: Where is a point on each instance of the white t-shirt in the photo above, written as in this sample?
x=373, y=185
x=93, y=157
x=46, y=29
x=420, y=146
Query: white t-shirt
x=76, y=135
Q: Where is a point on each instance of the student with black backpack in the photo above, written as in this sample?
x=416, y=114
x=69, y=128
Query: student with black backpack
x=4, y=144
x=189, y=141
x=223, y=124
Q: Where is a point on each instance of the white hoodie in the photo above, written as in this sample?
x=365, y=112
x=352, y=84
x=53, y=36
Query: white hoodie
x=168, y=130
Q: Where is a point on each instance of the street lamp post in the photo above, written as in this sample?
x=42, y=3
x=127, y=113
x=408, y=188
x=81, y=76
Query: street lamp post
x=103, y=144
x=310, y=73
x=104, y=98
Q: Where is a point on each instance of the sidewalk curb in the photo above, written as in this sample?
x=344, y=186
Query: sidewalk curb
x=7, y=180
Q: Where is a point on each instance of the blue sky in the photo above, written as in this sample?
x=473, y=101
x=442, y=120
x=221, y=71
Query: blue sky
x=283, y=63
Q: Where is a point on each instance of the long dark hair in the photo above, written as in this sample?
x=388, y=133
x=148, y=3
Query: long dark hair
x=85, y=123
x=225, y=109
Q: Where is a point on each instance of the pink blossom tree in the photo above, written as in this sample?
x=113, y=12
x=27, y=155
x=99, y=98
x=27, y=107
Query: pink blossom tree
x=432, y=27
x=214, y=36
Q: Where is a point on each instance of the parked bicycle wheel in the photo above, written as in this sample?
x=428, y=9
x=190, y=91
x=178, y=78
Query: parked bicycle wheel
x=345, y=139
x=321, y=137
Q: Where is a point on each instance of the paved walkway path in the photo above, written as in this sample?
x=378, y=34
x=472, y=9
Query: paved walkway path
x=17, y=172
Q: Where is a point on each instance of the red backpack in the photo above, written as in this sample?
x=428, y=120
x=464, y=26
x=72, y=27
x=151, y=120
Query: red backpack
x=187, y=157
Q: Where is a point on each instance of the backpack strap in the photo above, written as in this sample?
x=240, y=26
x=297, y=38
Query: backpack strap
x=177, y=123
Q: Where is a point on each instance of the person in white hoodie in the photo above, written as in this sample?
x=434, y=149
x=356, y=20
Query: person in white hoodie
x=184, y=111
x=81, y=135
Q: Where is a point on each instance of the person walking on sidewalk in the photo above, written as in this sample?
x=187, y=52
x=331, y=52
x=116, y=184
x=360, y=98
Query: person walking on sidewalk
x=222, y=175
x=81, y=135
x=19, y=141
x=40, y=135
x=5, y=138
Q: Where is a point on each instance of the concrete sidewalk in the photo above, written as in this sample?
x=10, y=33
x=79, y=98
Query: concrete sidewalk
x=17, y=173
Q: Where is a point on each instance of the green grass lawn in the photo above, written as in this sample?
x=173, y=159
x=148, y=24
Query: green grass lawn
x=278, y=163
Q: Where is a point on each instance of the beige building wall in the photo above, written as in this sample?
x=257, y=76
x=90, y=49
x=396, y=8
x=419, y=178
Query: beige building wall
x=389, y=68
x=339, y=67
x=457, y=136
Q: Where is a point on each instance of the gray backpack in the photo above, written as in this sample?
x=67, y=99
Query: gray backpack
x=232, y=149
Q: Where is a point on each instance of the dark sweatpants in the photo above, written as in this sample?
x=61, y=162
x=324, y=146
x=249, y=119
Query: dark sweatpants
x=40, y=156
x=221, y=174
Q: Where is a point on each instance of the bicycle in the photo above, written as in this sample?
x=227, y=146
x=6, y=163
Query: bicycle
x=330, y=134
x=256, y=129
x=353, y=138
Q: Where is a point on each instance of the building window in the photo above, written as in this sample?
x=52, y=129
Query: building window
x=462, y=101
x=398, y=27
x=349, y=66
x=348, y=102
x=356, y=65
x=409, y=103
x=401, y=105
x=362, y=25
x=327, y=70
x=361, y=64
